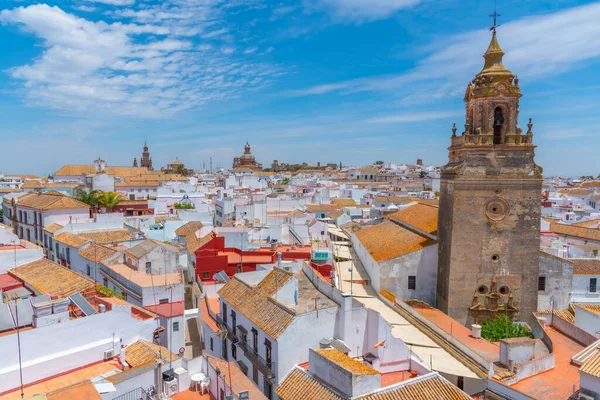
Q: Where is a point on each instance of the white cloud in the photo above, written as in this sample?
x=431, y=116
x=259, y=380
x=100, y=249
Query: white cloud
x=133, y=68
x=85, y=8
x=114, y=2
x=536, y=47
x=359, y=11
x=414, y=117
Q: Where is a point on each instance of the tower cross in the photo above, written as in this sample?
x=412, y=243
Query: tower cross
x=495, y=16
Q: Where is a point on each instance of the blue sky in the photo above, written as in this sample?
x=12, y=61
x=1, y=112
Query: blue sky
x=303, y=80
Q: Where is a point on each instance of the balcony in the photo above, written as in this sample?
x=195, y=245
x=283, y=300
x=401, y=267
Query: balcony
x=261, y=363
x=230, y=334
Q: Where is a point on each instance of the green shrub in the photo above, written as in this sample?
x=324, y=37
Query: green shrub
x=502, y=328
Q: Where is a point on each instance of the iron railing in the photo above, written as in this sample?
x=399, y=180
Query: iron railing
x=251, y=354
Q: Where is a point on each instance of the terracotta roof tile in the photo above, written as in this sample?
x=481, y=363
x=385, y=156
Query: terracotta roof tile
x=322, y=207
x=298, y=383
x=421, y=216
x=188, y=228
x=427, y=387
x=79, y=170
x=592, y=365
x=143, y=248
x=49, y=201
x=112, y=236
x=53, y=227
x=255, y=303
x=47, y=277
x=389, y=240
x=349, y=364
x=589, y=266
x=142, y=352
x=70, y=239
x=344, y=202
x=96, y=252
x=193, y=243
x=239, y=379
x=575, y=231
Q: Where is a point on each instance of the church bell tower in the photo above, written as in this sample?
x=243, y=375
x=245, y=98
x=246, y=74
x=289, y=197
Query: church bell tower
x=489, y=218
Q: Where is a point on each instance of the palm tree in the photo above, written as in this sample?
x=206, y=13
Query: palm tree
x=90, y=198
x=108, y=199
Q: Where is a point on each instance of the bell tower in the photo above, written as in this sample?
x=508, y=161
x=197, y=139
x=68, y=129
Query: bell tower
x=489, y=218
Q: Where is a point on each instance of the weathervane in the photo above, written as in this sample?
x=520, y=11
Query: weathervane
x=495, y=15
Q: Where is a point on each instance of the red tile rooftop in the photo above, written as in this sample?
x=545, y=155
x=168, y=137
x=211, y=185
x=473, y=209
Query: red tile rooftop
x=63, y=380
x=208, y=320
x=488, y=350
x=189, y=395
x=214, y=305
x=168, y=310
x=557, y=383
x=387, y=379
x=7, y=282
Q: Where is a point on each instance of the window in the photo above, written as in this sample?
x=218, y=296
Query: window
x=28, y=235
x=233, y=323
x=57, y=249
x=45, y=241
x=268, y=352
x=412, y=282
x=68, y=254
x=225, y=313
x=105, y=282
x=148, y=267
x=255, y=340
x=460, y=382
x=163, y=301
x=255, y=374
x=211, y=344
x=542, y=283
x=89, y=270
x=593, y=285
x=176, y=326
x=205, y=275
x=36, y=234
x=20, y=216
x=234, y=351
x=268, y=389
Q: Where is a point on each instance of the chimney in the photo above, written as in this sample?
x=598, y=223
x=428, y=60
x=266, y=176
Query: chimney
x=279, y=257
x=122, y=355
x=476, y=331
x=101, y=308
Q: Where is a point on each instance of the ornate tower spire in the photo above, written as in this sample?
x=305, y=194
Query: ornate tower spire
x=489, y=212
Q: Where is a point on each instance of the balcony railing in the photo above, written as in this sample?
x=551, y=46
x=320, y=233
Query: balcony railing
x=261, y=363
x=230, y=334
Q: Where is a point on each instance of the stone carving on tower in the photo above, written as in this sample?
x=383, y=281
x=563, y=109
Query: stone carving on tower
x=146, y=160
x=489, y=219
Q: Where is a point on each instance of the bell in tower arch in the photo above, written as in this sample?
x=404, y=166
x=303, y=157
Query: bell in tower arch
x=498, y=125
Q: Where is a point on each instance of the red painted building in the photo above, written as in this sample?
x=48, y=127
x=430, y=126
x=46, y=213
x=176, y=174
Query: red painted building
x=213, y=257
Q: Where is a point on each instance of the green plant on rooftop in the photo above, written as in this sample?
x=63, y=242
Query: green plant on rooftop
x=106, y=292
x=502, y=328
x=179, y=206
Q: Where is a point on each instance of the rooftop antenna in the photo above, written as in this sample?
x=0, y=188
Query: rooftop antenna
x=495, y=16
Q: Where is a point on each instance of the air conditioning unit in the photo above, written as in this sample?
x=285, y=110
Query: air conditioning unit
x=108, y=354
x=171, y=387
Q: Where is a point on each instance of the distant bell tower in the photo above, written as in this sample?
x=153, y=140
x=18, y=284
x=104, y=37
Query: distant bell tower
x=146, y=161
x=489, y=218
